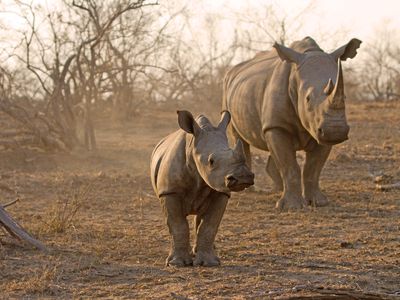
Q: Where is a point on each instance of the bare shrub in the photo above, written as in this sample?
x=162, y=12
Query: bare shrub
x=379, y=71
x=63, y=214
x=63, y=66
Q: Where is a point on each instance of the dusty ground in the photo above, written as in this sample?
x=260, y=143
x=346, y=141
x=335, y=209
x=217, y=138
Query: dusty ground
x=115, y=245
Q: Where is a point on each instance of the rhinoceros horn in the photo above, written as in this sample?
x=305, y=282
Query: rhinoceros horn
x=336, y=97
x=238, y=150
x=329, y=87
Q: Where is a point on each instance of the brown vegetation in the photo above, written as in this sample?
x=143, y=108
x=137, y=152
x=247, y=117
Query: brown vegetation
x=116, y=243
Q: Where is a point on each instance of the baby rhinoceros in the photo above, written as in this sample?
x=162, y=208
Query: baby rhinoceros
x=193, y=172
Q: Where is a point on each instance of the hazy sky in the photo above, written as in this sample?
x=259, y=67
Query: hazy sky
x=337, y=21
x=359, y=18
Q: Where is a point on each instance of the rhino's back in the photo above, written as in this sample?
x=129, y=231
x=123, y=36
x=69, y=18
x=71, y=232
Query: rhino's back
x=244, y=89
x=168, y=164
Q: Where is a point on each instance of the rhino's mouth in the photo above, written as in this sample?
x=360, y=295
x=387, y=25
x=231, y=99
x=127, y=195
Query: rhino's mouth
x=240, y=187
x=331, y=142
x=238, y=183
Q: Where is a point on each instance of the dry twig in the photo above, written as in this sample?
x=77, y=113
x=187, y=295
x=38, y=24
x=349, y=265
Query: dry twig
x=10, y=203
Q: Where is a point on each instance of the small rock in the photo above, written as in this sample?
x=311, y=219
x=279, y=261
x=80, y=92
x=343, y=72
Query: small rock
x=387, y=146
x=383, y=178
x=346, y=245
x=299, y=287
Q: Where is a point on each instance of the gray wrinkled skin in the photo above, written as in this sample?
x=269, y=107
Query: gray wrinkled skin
x=193, y=172
x=291, y=99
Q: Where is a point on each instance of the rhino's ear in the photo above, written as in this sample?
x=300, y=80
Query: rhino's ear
x=346, y=51
x=187, y=122
x=225, y=119
x=288, y=54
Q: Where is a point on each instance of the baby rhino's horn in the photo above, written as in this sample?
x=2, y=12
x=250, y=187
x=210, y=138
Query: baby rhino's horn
x=238, y=150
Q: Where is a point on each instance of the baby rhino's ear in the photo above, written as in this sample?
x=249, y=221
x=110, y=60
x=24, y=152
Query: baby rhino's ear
x=187, y=122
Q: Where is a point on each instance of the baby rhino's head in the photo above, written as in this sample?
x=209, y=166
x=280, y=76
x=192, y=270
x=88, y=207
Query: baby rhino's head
x=222, y=168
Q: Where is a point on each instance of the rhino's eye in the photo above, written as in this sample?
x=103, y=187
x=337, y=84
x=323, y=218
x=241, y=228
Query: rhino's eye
x=211, y=161
x=308, y=98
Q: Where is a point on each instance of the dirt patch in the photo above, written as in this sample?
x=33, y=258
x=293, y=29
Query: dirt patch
x=116, y=243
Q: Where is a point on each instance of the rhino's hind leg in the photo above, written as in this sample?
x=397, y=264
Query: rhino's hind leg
x=178, y=226
x=273, y=172
x=207, y=230
x=197, y=222
x=315, y=161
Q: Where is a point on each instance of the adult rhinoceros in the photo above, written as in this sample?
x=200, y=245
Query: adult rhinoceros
x=290, y=99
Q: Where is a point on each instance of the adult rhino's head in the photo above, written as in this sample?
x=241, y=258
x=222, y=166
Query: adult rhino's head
x=222, y=168
x=316, y=88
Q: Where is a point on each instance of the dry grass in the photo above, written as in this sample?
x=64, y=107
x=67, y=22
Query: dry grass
x=39, y=282
x=109, y=240
x=62, y=214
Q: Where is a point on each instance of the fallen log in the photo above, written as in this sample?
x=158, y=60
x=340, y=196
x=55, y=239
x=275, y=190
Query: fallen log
x=16, y=230
x=339, y=294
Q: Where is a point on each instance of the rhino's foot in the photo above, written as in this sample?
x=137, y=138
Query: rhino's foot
x=317, y=199
x=179, y=259
x=206, y=259
x=290, y=203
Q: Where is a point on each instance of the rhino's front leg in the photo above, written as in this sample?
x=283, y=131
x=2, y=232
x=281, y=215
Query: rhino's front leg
x=315, y=161
x=178, y=226
x=207, y=230
x=274, y=174
x=284, y=155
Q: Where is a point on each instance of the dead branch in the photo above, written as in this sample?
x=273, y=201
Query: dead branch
x=46, y=135
x=11, y=203
x=18, y=231
x=343, y=294
x=388, y=187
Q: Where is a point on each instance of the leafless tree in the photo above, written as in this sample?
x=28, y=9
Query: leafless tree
x=135, y=47
x=260, y=28
x=65, y=52
x=379, y=74
x=200, y=60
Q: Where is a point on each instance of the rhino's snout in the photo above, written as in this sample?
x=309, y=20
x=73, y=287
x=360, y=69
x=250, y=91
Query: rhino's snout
x=333, y=134
x=237, y=182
